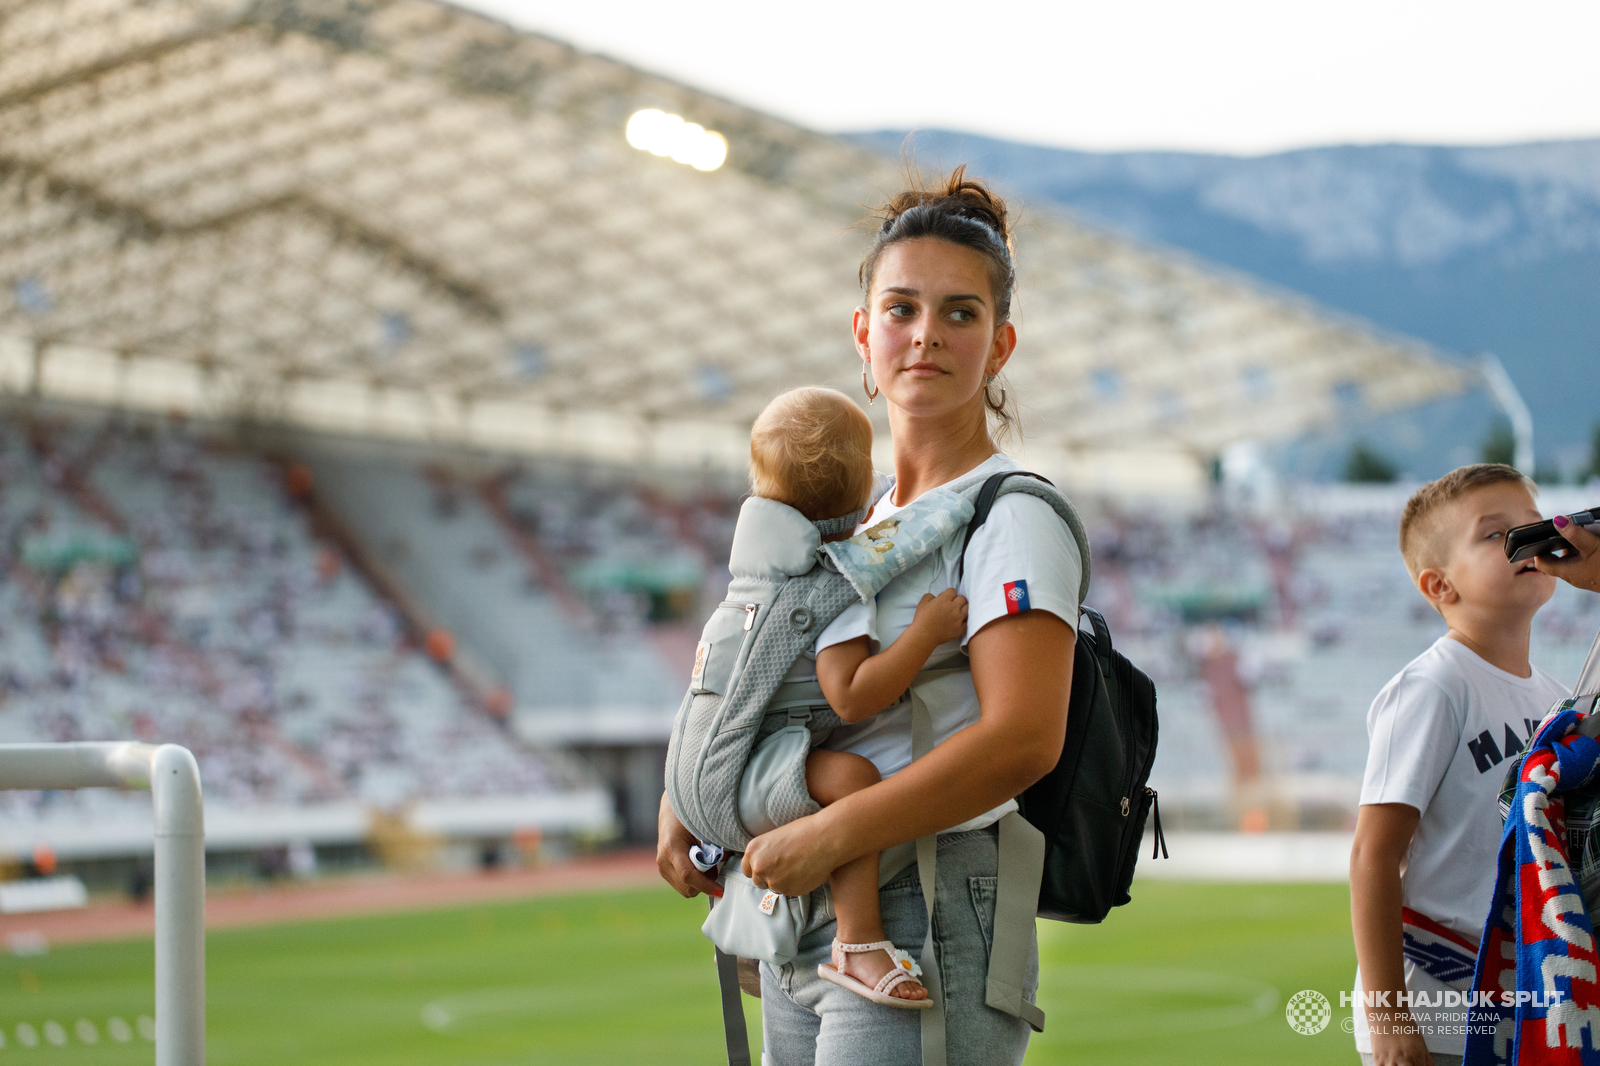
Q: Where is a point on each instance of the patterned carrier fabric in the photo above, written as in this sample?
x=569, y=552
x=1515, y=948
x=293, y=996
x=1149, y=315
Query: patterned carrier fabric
x=781, y=640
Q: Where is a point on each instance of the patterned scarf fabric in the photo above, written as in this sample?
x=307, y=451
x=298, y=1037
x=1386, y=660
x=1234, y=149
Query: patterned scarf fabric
x=1535, y=996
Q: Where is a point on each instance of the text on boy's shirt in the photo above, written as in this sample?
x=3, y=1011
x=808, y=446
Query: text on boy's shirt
x=1487, y=755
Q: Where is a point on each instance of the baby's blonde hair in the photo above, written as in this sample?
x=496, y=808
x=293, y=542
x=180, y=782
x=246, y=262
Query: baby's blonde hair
x=812, y=449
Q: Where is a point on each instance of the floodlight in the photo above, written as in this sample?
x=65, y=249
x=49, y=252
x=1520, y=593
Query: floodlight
x=690, y=143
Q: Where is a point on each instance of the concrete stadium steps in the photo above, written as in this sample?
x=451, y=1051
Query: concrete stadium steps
x=439, y=538
x=241, y=636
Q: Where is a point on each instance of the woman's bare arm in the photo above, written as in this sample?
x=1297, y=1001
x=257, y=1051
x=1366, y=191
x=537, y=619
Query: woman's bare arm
x=1022, y=669
x=859, y=684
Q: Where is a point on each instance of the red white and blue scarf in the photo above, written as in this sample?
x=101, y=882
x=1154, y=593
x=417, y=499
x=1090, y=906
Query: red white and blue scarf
x=1535, y=996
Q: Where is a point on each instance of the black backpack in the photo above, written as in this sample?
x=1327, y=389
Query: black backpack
x=1093, y=806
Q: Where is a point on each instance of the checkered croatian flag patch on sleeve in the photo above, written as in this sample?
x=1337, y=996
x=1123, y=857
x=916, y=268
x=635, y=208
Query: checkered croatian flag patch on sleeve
x=1016, y=597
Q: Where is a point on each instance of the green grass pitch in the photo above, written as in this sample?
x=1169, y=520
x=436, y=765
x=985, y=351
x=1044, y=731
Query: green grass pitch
x=1186, y=972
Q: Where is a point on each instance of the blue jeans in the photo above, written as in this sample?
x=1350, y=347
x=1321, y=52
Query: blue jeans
x=807, y=1021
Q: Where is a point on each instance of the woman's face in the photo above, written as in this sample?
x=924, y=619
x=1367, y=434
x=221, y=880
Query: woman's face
x=928, y=328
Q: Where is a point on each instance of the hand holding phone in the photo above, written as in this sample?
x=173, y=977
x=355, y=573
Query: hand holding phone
x=1542, y=538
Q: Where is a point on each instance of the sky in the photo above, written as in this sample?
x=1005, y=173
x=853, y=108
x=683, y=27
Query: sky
x=1234, y=76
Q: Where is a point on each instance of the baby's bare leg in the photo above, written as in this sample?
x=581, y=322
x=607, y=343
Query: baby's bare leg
x=830, y=777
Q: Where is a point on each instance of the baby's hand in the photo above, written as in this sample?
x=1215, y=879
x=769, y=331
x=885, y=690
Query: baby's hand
x=944, y=616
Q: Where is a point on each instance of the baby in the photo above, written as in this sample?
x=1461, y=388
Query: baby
x=812, y=449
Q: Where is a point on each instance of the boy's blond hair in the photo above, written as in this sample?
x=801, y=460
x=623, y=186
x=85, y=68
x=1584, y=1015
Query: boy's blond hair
x=1423, y=540
x=812, y=449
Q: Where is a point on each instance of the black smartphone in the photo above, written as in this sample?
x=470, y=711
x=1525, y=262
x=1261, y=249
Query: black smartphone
x=1542, y=538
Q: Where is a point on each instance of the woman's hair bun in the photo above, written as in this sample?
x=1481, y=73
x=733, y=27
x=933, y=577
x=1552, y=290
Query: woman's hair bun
x=957, y=195
x=958, y=209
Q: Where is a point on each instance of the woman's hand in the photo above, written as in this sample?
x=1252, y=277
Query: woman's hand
x=1582, y=566
x=673, y=842
x=792, y=859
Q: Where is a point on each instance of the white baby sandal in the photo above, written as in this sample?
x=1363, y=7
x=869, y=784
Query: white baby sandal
x=905, y=969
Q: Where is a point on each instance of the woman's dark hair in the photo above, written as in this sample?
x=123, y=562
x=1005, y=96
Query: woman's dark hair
x=963, y=211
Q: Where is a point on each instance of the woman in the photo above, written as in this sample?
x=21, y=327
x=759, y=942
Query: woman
x=933, y=335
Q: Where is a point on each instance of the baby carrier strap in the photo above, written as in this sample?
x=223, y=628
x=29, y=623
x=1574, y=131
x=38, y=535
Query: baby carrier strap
x=1020, y=868
x=784, y=630
x=1021, y=846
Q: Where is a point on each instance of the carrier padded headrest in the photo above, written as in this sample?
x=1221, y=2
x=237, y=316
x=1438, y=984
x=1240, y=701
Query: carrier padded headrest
x=772, y=541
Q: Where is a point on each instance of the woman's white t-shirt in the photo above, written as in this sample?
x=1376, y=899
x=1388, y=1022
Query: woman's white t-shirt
x=1023, y=558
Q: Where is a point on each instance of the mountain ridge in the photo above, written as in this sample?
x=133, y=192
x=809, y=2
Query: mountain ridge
x=1471, y=249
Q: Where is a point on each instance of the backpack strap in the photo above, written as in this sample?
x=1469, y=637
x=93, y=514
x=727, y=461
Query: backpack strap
x=933, y=1020
x=995, y=485
x=984, y=504
x=1020, y=862
x=1102, y=639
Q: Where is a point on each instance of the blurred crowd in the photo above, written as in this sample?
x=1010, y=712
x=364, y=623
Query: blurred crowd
x=639, y=555
x=1268, y=633
x=158, y=585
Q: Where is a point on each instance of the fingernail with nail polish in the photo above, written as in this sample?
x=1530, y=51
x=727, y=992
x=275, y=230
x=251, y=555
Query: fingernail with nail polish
x=1561, y=521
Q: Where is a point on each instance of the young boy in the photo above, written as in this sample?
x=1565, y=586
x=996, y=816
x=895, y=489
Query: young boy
x=1423, y=866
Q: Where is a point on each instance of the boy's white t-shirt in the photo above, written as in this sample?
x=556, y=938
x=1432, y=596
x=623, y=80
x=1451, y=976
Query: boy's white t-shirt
x=1024, y=557
x=1441, y=734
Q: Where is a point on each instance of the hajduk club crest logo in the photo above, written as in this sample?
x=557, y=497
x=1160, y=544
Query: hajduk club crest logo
x=1016, y=593
x=1308, y=1012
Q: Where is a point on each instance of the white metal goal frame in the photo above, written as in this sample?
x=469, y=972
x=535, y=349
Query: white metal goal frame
x=173, y=779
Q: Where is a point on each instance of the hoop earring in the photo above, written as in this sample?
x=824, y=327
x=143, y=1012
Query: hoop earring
x=872, y=392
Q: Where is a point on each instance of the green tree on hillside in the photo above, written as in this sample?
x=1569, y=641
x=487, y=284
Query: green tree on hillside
x=1367, y=466
x=1500, y=446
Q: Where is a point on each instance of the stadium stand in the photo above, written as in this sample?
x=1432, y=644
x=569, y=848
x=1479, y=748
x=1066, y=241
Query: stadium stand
x=391, y=237
x=568, y=639
x=161, y=587
x=402, y=219
x=162, y=582
x=1314, y=605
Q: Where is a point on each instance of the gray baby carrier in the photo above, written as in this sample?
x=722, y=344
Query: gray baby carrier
x=787, y=587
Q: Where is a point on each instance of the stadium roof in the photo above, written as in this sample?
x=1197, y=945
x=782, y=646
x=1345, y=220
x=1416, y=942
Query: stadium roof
x=399, y=218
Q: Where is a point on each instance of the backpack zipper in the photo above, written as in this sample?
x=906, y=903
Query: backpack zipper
x=1160, y=839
